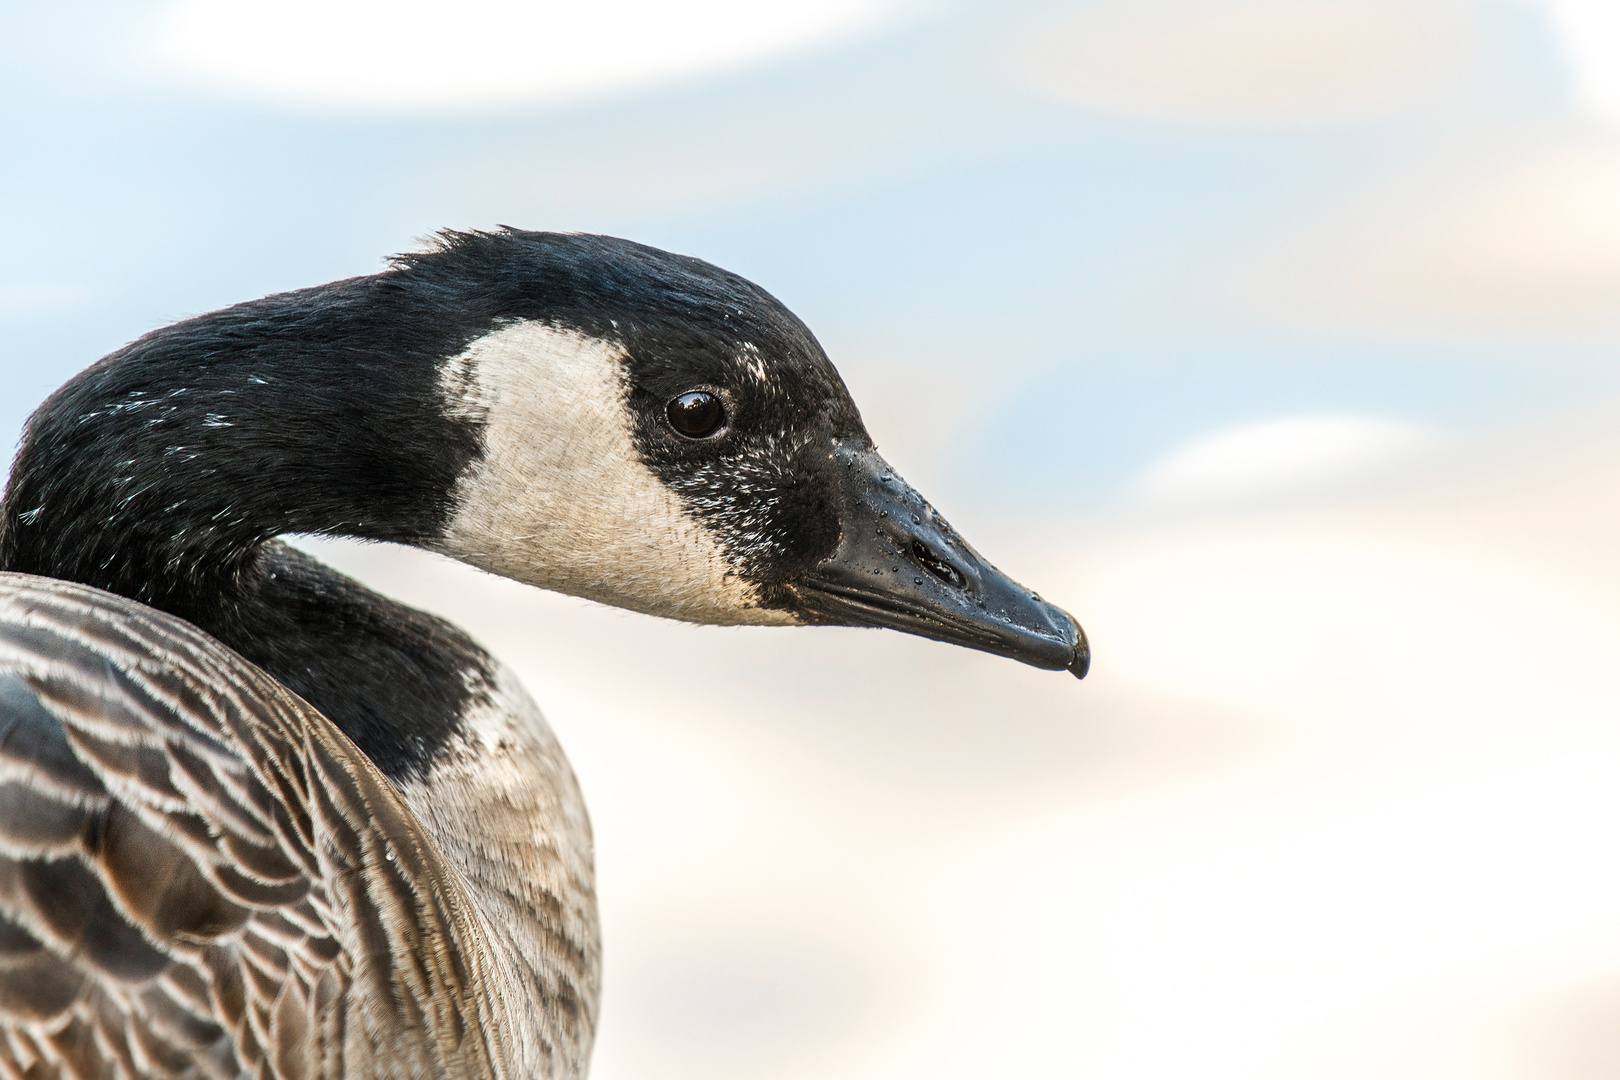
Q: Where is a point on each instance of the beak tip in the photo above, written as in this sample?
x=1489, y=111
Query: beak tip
x=1082, y=654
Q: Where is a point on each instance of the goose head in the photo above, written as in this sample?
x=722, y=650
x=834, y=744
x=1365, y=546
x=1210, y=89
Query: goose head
x=577, y=412
x=659, y=434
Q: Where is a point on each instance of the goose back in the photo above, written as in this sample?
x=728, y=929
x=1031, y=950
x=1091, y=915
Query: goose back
x=200, y=875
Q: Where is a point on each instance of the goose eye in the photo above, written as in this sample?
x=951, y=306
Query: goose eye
x=696, y=414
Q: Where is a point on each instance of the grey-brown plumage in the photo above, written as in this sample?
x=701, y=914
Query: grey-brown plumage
x=201, y=876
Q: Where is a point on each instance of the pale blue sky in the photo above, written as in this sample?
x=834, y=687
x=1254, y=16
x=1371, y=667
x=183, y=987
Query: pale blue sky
x=931, y=217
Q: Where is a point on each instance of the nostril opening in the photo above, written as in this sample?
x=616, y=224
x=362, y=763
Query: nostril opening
x=937, y=566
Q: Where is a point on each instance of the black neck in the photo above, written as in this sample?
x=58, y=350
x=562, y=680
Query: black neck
x=162, y=472
x=158, y=472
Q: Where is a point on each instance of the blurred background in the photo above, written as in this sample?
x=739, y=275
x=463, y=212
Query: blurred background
x=1277, y=339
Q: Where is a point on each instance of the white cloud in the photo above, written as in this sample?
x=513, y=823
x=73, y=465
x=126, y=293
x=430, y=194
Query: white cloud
x=1590, y=32
x=1258, y=61
x=1523, y=237
x=1282, y=457
x=422, y=55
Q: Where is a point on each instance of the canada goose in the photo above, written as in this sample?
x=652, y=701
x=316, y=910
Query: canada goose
x=258, y=820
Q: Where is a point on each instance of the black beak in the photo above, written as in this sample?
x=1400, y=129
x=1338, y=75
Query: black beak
x=900, y=565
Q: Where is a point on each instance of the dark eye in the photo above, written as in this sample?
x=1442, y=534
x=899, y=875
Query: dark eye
x=696, y=414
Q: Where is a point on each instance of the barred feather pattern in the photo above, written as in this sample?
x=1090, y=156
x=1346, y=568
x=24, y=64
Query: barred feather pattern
x=200, y=876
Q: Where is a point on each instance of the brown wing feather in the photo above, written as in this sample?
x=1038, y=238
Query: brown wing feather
x=201, y=876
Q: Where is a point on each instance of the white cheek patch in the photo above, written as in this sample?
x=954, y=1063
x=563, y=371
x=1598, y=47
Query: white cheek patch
x=562, y=500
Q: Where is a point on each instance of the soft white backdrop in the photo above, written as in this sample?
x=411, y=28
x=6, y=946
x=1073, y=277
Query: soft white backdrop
x=1278, y=339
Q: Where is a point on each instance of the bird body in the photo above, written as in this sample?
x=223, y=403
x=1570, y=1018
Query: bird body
x=259, y=820
x=202, y=876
